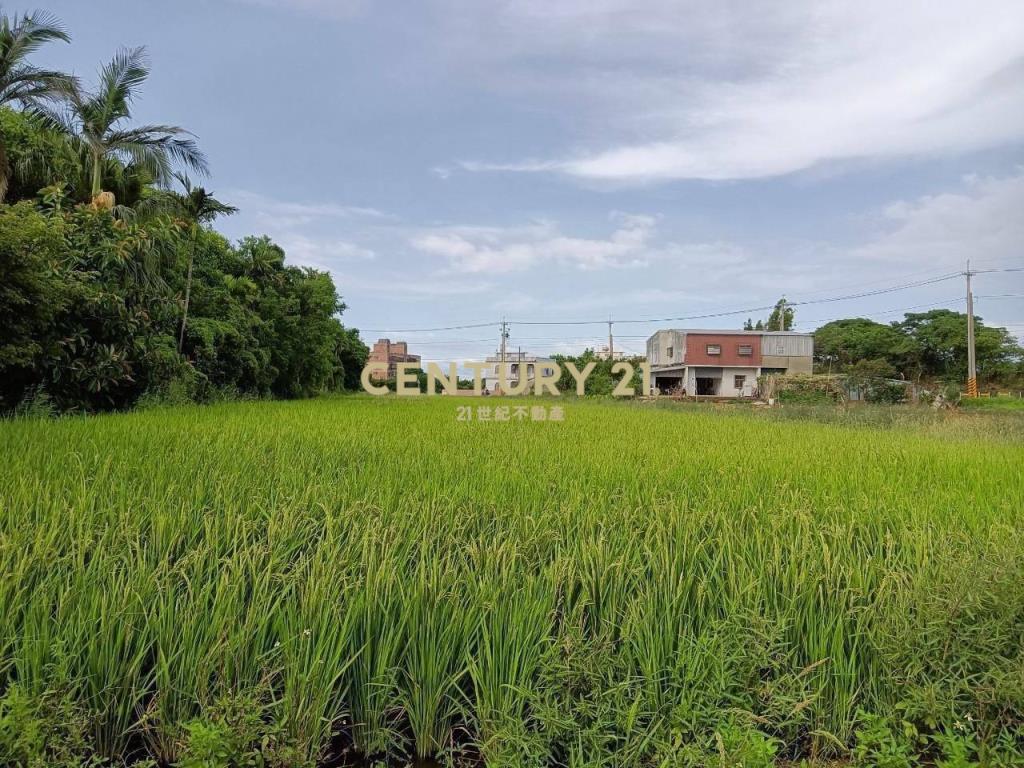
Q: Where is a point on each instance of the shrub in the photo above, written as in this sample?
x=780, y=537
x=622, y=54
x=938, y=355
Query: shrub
x=45, y=731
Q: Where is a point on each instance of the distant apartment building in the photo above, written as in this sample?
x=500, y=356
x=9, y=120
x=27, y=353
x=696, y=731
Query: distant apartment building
x=605, y=353
x=520, y=365
x=718, y=363
x=392, y=353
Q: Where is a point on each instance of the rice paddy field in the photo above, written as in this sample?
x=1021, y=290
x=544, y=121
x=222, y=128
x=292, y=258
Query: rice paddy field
x=357, y=580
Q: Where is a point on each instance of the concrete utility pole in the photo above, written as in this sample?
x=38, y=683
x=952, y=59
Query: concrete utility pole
x=782, y=313
x=611, y=343
x=504, y=338
x=972, y=373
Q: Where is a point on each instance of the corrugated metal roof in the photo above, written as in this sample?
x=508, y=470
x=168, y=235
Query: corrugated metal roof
x=730, y=332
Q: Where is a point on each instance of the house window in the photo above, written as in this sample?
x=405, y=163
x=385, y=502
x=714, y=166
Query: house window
x=738, y=382
x=714, y=349
x=669, y=351
x=746, y=350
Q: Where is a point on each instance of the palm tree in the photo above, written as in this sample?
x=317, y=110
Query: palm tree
x=96, y=122
x=20, y=82
x=193, y=208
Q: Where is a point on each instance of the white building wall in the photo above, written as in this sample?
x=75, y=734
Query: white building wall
x=727, y=380
x=728, y=386
x=666, y=348
x=726, y=377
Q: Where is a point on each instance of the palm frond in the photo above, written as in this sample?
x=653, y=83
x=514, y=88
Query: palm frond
x=193, y=204
x=28, y=33
x=95, y=119
x=126, y=72
x=20, y=37
x=28, y=85
x=166, y=139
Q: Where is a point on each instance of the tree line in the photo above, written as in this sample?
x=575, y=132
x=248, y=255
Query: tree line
x=115, y=287
x=923, y=346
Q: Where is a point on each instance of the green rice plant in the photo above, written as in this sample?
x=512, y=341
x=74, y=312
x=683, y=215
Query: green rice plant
x=635, y=586
x=440, y=624
x=377, y=637
x=314, y=635
x=506, y=652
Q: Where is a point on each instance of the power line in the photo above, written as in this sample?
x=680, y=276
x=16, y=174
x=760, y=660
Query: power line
x=930, y=305
x=750, y=310
x=709, y=315
x=429, y=330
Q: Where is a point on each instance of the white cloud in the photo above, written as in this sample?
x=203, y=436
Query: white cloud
x=314, y=234
x=699, y=91
x=514, y=249
x=401, y=286
x=981, y=222
x=322, y=253
x=292, y=214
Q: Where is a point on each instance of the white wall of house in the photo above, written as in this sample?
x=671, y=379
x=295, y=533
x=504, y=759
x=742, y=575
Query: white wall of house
x=727, y=379
x=730, y=378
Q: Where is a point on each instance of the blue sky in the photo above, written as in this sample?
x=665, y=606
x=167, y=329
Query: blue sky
x=453, y=162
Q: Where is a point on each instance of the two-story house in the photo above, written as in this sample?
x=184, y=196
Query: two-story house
x=724, y=363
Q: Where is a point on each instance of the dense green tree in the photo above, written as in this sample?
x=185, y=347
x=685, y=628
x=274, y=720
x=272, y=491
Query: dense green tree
x=601, y=380
x=845, y=342
x=22, y=83
x=85, y=308
x=940, y=345
x=192, y=208
x=351, y=354
x=32, y=293
x=931, y=345
x=36, y=156
x=90, y=314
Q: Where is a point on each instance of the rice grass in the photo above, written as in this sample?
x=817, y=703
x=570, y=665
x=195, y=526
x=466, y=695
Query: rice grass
x=632, y=587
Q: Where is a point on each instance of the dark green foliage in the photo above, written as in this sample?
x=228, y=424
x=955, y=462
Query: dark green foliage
x=47, y=729
x=40, y=157
x=91, y=306
x=881, y=743
x=806, y=390
x=875, y=380
x=601, y=380
x=931, y=345
x=845, y=342
x=32, y=294
x=233, y=733
x=940, y=343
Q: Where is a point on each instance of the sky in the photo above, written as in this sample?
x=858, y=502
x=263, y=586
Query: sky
x=459, y=162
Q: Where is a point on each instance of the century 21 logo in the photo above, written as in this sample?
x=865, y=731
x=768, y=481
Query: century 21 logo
x=545, y=381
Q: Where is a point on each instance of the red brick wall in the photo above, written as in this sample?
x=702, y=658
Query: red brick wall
x=696, y=349
x=392, y=353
